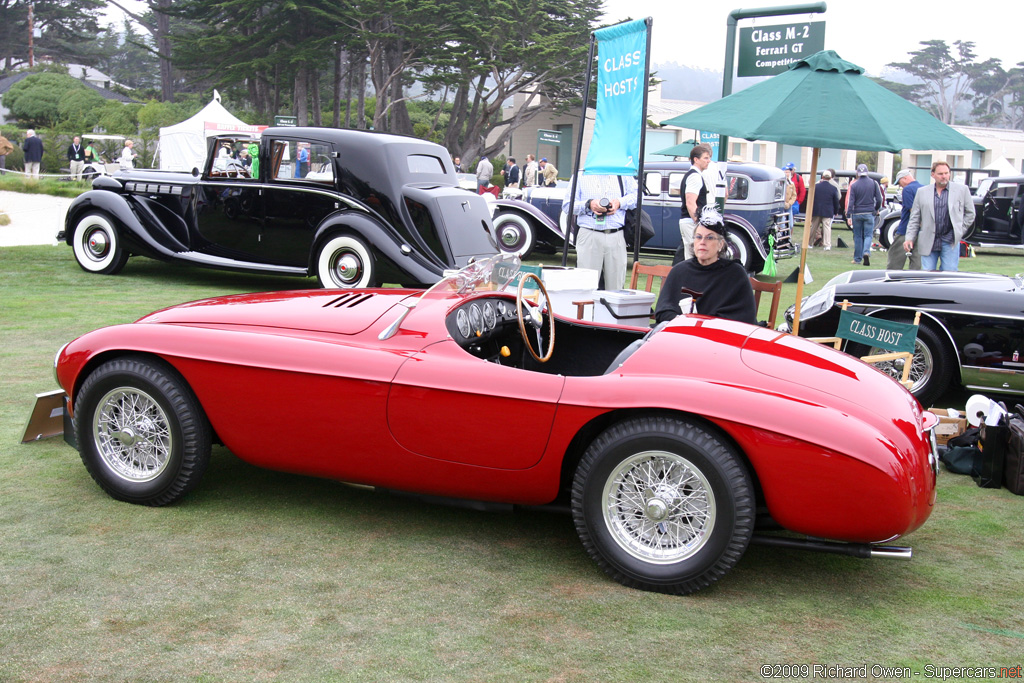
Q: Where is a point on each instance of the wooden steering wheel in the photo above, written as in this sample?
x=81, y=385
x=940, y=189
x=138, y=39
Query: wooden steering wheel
x=521, y=307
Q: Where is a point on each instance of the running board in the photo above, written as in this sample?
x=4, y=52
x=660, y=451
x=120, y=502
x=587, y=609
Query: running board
x=221, y=262
x=861, y=550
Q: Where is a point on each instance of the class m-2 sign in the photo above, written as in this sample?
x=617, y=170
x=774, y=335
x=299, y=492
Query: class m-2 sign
x=770, y=50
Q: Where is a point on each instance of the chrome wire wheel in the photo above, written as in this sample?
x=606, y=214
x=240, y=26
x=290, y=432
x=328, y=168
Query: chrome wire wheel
x=921, y=368
x=659, y=507
x=132, y=434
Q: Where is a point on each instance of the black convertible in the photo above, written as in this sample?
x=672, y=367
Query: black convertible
x=353, y=208
x=971, y=333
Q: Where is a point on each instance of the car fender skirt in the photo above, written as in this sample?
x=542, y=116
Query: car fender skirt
x=399, y=256
x=532, y=211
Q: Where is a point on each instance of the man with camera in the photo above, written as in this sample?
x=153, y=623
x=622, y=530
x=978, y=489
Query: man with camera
x=600, y=206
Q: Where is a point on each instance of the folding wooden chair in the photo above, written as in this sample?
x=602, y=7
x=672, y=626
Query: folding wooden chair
x=776, y=291
x=897, y=338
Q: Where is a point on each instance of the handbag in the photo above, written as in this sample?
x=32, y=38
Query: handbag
x=988, y=472
x=1013, y=467
x=629, y=228
x=646, y=227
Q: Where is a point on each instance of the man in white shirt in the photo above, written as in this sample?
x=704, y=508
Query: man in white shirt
x=695, y=196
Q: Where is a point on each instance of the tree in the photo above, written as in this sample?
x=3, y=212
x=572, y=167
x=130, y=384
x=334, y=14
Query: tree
x=946, y=77
x=35, y=100
x=507, y=49
x=125, y=56
x=67, y=29
x=158, y=23
x=994, y=93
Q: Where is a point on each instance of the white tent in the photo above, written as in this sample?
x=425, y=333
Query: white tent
x=183, y=145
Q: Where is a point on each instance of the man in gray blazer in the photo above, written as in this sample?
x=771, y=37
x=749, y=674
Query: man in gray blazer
x=942, y=213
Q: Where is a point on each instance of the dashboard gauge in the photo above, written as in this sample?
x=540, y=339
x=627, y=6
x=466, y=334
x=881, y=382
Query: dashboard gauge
x=490, y=318
x=462, y=322
x=476, y=320
x=502, y=310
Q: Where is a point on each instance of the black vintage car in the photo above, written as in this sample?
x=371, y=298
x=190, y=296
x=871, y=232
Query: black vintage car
x=971, y=330
x=998, y=220
x=353, y=208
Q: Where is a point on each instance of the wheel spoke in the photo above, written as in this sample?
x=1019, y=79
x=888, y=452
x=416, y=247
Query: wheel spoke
x=659, y=507
x=132, y=434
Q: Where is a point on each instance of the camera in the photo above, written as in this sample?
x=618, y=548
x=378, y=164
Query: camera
x=604, y=203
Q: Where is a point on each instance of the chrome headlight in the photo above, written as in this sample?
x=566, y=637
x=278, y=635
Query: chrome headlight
x=814, y=305
x=55, y=359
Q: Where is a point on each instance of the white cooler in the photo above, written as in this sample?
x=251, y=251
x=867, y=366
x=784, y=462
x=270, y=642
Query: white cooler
x=623, y=306
x=566, y=285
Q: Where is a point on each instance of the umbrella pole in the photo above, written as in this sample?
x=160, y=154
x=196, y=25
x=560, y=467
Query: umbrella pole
x=806, y=238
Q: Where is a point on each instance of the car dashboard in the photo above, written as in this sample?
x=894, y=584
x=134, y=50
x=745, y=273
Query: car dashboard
x=487, y=327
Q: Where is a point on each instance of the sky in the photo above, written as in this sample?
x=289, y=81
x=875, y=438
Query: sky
x=869, y=33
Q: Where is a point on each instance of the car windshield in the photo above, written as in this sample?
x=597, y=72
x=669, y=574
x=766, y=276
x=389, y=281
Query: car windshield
x=497, y=273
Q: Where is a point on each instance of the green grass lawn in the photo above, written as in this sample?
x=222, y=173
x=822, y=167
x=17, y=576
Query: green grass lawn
x=261, y=576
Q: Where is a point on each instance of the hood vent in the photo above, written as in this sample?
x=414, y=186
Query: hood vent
x=348, y=300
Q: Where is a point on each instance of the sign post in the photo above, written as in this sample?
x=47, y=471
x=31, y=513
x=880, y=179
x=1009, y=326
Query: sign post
x=730, y=45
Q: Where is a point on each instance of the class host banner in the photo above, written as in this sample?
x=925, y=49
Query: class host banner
x=621, y=79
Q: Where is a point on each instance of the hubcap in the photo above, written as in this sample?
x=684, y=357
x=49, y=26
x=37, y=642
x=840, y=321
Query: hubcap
x=98, y=243
x=132, y=434
x=510, y=235
x=659, y=507
x=347, y=268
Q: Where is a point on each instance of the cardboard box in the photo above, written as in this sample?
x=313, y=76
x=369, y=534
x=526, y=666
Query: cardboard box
x=948, y=427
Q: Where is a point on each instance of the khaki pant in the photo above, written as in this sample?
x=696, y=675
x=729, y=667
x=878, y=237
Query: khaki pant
x=32, y=169
x=897, y=257
x=603, y=252
x=821, y=232
x=686, y=230
x=76, y=169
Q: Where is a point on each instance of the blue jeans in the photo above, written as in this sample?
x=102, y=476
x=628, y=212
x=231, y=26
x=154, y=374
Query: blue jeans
x=863, y=230
x=949, y=254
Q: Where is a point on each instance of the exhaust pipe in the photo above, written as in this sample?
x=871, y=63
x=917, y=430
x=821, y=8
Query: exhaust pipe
x=860, y=550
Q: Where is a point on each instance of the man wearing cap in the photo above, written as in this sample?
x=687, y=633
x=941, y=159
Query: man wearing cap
x=863, y=202
x=826, y=206
x=695, y=197
x=600, y=208
x=898, y=257
x=723, y=282
x=942, y=212
x=549, y=173
x=799, y=186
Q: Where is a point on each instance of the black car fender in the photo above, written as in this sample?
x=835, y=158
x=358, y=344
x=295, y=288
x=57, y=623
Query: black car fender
x=389, y=249
x=150, y=240
x=735, y=222
x=531, y=212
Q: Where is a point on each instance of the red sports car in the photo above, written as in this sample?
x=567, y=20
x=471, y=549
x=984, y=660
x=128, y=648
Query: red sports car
x=671, y=445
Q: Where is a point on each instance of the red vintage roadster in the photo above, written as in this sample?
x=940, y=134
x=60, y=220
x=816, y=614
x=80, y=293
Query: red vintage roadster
x=672, y=446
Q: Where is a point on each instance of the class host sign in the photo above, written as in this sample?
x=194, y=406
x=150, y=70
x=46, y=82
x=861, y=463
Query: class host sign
x=770, y=50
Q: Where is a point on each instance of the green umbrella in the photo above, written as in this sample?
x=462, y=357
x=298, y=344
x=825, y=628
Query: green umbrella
x=680, y=150
x=824, y=101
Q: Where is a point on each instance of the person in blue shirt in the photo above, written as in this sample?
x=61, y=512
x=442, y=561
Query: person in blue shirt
x=600, y=206
x=897, y=257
